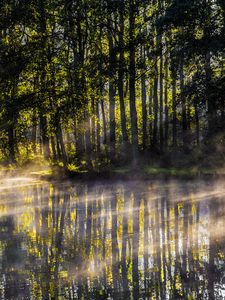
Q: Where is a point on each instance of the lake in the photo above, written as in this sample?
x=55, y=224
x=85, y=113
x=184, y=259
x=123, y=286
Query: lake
x=112, y=240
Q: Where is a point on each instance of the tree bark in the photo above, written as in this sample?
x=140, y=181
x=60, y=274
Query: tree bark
x=174, y=104
x=132, y=73
x=156, y=107
x=43, y=118
x=143, y=98
x=11, y=142
x=161, y=93
x=166, y=105
x=104, y=122
x=210, y=101
x=183, y=103
x=197, y=125
x=112, y=94
x=150, y=114
x=121, y=75
x=53, y=146
x=44, y=135
x=34, y=133
x=59, y=135
x=98, y=149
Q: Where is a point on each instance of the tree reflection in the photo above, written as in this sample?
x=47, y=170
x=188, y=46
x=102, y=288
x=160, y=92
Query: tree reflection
x=125, y=241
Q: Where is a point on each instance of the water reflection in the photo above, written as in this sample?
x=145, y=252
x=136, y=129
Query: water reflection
x=131, y=240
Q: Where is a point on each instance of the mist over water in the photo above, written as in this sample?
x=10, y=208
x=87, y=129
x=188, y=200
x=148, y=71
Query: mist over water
x=119, y=240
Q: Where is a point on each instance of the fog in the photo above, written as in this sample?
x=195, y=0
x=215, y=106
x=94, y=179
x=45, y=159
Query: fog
x=124, y=239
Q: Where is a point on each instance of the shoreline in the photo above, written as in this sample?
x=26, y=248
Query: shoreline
x=52, y=173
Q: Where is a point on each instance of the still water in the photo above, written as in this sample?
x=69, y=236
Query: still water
x=120, y=240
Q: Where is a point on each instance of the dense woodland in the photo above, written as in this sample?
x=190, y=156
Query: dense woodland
x=91, y=82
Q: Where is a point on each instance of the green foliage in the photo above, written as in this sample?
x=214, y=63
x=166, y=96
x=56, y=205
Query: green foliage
x=66, y=70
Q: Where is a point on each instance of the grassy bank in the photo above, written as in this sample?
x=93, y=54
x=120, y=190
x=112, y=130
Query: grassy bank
x=180, y=167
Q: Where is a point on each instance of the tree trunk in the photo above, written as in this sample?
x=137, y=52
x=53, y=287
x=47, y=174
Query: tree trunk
x=132, y=73
x=88, y=146
x=210, y=100
x=112, y=94
x=43, y=118
x=44, y=135
x=104, y=122
x=62, y=145
x=197, y=125
x=143, y=97
x=174, y=104
x=155, y=106
x=150, y=114
x=53, y=146
x=97, y=129
x=59, y=135
x=93, y=126
x=161, y=96
x=11, y=142
x=59, y=152
x=34, y=133
x=156, y=81
x=183, y=103
x=166, y=106
x=121, y=76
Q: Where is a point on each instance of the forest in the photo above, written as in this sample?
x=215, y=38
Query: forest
x=112, y=149
x=86, y=84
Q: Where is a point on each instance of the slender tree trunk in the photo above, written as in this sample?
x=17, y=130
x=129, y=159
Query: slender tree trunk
x=34, y=132
x=222, y=4
x=112, y=130
x=155, y=105
x=161, y=96
x=44, y=134
x=104, y=122
x=76, y=136
x=59, y=136
x=156, y=82
x=174, y=104
x=121, y=76
x=183, y=102
x=112, y=94
x=161, y=75
x=210, y=101
x=87, y=135
x=97, y=129
x=197, y=125
x=62, y=145
x=11, y=142
x=80, y=145
x=59, y=152
x=143, y=97
x=150, y=114
x=93, y=126
x=53, y=146
x=43, y=118
x=188, y=116
x=166, y=105
x=132, y=73
x=101, y=88
x=40, y=139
